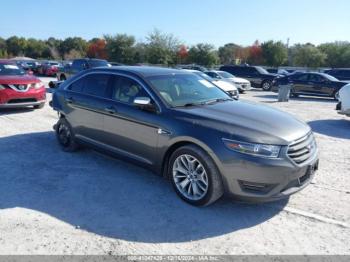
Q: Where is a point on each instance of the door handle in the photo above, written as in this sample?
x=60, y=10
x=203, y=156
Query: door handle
x=69, y=100
x=111, y=110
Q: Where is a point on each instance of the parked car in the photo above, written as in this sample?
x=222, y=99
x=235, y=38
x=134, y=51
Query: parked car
x=341, y=73
x=193, y=67
x=343, y=107
x=49, y=68
x=79, y=65
x=28, y=65
x=188, y=130
x=224, y=85
x=277, y=71
x=314, y=84
x=19, y=89
x=241, y=83
x=257, y=75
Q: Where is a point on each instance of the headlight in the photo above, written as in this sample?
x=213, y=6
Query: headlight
x=37, y=85
x=262, y=150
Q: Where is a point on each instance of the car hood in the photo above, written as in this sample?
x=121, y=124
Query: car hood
x=248, y=122
x=18, y=79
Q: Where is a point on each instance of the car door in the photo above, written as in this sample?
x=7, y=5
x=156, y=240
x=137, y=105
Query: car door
x=252, y=75
x=129, y=130
x=86, y=99
x=300, y=83
x=317, y=84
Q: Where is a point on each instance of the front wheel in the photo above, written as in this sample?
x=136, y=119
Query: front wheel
x=194, y=176
x=266, y=86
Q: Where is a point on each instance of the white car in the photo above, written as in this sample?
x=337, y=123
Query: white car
x=241, y=83
x=343, y=106
x=224, y=85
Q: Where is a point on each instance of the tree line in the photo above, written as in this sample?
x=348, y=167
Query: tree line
x=166, y=49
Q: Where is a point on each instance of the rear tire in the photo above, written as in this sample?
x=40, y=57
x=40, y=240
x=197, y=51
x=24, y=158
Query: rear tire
x=194, y=176
x=266, y=85
x=65, y=136
x=63, y=78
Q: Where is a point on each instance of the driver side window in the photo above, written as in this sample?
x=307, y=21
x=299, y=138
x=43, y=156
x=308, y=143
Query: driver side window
x=126, y=90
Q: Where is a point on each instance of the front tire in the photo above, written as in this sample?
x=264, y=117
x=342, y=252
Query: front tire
x=194, y=176
x=266, y=85
x=65, y=136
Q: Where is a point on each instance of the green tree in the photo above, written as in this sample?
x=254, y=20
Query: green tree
x=228, y=53
x=36, y=48
x=3, y=48
x=308, y=55
x=120, y=48
x=16, y=45
x=274, y=53
x=338, y=54
x=161, y=48
x=77, y=44
x=203, y=54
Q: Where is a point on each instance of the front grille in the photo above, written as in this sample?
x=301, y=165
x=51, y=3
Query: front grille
x=21, y=100
x=19, y=88
x=302, y=149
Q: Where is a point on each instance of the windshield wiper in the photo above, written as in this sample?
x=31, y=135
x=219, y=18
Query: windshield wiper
x=217, y=100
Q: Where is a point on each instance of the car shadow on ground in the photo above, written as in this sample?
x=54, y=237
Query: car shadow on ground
x=299, y=98
x=110, y=197
x=11, y=111
x=332, y=127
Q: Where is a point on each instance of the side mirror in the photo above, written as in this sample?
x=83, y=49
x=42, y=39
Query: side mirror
x=144, y=103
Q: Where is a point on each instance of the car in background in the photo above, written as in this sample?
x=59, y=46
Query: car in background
x=19, y=89
x=79, y=65
x=341, y=73
x=241, y=83
x=277, y=71
x=186, y=129
x=29, y=65
x=311, y=84
x=49, y=68
x=257, y=75
x=193, y=67
x=230, y=88
x=343, y=107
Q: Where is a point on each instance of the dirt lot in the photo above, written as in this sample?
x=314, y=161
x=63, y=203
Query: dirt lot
x=86, y=203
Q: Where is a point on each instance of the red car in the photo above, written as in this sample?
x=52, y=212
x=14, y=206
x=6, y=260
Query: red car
x=49, y=68
x=19, y=89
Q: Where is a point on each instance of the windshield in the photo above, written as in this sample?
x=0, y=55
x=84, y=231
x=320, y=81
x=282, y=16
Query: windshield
x=97, y=63
x=205, y=76
x=9, y=69
x=331, y=78
x=186, y=90
x=225, y=74
x=261, y=70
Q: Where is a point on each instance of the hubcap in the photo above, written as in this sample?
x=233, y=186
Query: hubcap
x=190, y=177
x=64, y=135
x=266, y=86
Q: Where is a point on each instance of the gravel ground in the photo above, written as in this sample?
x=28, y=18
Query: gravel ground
x=53, y=202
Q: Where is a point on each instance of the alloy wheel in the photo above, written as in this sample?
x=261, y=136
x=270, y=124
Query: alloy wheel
x=190, y=177
x=64, y=135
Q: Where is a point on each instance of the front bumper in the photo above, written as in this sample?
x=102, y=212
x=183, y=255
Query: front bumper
x=13, y=99
x=255, y=179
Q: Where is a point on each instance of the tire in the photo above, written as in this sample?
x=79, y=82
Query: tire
x=65, y=136
x=63, y=78
x=202, y=163
x=266, y=85
x=39, y=106
x=336, y=96
x=292, y=94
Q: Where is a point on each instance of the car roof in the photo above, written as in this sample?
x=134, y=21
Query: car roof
x=143, y=71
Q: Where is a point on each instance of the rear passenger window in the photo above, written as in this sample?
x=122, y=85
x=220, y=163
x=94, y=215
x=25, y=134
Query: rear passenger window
x=97, y=84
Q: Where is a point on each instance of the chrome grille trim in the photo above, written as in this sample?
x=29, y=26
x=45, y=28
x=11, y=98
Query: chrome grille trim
x=302, y=149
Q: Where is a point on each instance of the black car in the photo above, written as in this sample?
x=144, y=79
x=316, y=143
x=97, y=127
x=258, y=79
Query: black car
x=257, y=75
x=277, y=71
x=314, y=84
x=341, y=73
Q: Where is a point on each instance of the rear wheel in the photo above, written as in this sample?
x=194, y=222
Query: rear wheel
x=266, y=85
x=65, y=136
x=194, y=176
x=63, y=78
